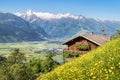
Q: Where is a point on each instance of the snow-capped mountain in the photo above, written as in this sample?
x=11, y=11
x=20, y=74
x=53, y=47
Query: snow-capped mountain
x=66, y=25
x=31, y=15
x=32, y=26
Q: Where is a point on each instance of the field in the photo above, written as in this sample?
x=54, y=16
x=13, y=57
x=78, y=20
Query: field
x=32, y=49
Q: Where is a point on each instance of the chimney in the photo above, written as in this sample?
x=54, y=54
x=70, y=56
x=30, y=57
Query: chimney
x=103, y=30
x=91, y=33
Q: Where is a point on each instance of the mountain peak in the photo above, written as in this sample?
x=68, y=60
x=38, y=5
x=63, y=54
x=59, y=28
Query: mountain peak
x=29, y=12
x=47, y=15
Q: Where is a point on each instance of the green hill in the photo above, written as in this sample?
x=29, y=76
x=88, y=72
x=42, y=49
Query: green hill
x=100, y=64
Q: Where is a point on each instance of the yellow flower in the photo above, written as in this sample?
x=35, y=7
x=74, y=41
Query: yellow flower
x=91, y=73
x=95, y=64
x=110, y=70
x=119, y=63
x=112, y=67
x=93, y=77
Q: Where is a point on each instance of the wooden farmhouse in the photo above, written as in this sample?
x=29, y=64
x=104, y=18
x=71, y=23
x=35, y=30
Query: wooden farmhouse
x=85, y=42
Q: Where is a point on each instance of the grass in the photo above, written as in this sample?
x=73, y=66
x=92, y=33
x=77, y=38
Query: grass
x=100, y=64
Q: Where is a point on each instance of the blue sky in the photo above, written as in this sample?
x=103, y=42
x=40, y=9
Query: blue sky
x=102, y=9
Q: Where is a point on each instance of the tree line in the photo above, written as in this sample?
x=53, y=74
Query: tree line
x=116, y=35
x=16, y=66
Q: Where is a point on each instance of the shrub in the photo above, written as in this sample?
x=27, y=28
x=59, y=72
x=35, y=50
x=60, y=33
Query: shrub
x=71, y=54
x=83, y=47
x=100, y=64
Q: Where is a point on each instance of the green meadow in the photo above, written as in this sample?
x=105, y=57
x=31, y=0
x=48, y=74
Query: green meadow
x=100, y=64
x=31, y=49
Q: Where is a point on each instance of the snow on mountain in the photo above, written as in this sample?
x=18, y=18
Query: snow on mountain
x=45, y=15
x=66, y=25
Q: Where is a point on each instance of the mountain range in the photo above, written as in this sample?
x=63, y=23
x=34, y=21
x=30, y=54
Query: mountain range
x=37, y=26
x=67, y=25
x=16, y=29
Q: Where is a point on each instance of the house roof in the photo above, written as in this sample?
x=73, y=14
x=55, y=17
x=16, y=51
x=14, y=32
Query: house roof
x=97, y=39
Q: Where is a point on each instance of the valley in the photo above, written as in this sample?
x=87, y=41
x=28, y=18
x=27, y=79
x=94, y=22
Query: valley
x=59, y=40
x=37, y=49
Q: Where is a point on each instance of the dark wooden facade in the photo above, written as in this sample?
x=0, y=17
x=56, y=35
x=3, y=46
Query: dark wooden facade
x=80, y=41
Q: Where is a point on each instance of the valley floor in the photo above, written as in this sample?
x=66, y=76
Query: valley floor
x=33, y=49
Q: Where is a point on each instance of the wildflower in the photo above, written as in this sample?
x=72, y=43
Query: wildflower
x=91, y=73
x=110, y=70
x=112, y=67
x=95, y=64
x=93, y=77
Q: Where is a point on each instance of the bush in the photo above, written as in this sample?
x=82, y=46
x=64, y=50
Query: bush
x=100, y=64
x=71, y=54
x=83, y=47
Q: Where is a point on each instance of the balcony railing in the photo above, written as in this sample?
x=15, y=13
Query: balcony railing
x=75, y=51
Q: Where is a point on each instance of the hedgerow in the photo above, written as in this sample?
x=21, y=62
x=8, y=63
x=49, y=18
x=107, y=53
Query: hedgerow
x=100, y=64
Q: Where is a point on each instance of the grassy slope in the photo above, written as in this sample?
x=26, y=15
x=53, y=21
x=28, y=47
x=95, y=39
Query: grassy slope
x=100, y=64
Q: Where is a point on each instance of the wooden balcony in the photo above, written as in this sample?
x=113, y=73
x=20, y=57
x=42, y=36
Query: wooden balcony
x=75, y=51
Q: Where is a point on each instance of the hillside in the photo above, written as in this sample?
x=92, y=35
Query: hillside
x=15, y=29
x=100, y=64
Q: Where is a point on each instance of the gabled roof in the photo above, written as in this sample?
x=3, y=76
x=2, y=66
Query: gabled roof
x=97, y=39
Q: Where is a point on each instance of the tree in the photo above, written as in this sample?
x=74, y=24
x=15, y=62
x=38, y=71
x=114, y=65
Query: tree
x=2, y=59
x=19, y=72
x=34, y=66
x=14, y=67
x=116, y=35
x=48, y=64
x=16, y=57
x=4, y=71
